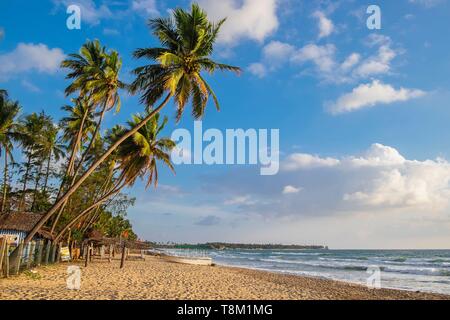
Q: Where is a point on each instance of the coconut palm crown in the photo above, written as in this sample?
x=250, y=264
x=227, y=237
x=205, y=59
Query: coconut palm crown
x=187, y=41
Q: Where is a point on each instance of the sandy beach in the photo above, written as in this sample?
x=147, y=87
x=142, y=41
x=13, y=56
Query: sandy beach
x=157, y=279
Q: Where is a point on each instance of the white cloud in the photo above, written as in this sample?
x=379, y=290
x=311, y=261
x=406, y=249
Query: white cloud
x=298, y=161
x=352, y=60
x=321, y=56
x=257, y=69
x=291, y=189
x=371, y=94
x=146, y=6
x=246, y=19
x=91, y=13
x=30, y=57
x=325, y=25
x=275, y=51
x=382, y=177
x=327, y=66
x=379, y=155
x=378, y=64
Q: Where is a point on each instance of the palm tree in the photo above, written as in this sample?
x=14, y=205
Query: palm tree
x=187, y=42
x=137, y=156
x=3, y=95
x=31, y=137
x=95, y=74
x=8, y=125
x=49, y=148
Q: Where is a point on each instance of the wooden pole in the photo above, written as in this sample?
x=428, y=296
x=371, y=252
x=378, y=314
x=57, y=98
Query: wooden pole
x=53, y=253
x=6, y=260
x=18, y=260
x=30, y=253
x=87, y=257
x=47, y=251
x=58, y=253
x=124, y=249
x=39, y=253
x=2, y=254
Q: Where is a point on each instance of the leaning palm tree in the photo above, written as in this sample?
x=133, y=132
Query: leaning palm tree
x=77, y=126
x=187, y=42
x=8, y=125
x=137, y=157
x=95, y=75
x=104, y=88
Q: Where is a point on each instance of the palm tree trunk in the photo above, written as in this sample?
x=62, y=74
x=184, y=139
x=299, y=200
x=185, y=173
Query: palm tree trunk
x=94, y=135
x=47, y=173
x=27, y=171
x=94, y=166
x=70, y=166
x=83, y=157
x=72, y=154
x=5, y=181
x=36, y=185
x=89, y=209
x=55, y=222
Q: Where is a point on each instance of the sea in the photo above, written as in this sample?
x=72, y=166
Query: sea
x=415, y=270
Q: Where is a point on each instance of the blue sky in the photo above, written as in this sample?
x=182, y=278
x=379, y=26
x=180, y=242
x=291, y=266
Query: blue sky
x=363, y=116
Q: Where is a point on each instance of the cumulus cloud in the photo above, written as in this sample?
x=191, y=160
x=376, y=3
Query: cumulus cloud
x=298, y=161
x=291, y=189
x=325, y=25
x=352, y=60
x=246, y=19
x=378, y=64
x=372, y=94
x=257, y=69
x=326, y=65
x=376, y=181
x=321, y=56
x=28, y=57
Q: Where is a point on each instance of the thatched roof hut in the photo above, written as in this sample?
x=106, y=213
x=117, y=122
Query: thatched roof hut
x=22, y=223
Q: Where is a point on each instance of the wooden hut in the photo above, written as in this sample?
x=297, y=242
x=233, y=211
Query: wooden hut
x=17, y=225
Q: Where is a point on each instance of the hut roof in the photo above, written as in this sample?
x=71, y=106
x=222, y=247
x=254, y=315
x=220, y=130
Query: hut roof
x=22, y=221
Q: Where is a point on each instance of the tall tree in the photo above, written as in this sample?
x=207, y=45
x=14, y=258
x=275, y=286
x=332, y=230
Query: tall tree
x=49, y=147
x=187, y=42
x=8, y=134
x=31, y=129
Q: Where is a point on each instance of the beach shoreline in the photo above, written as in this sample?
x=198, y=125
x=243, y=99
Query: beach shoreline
x=155, y=279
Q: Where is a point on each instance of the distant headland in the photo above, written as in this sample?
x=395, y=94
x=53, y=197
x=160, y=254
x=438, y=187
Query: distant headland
x=225, y=245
